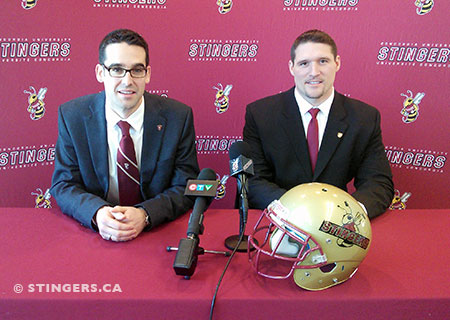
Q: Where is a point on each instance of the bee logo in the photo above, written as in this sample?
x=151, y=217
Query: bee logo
x=42, y=200
x=424, y=6
x=350, y=222
x=36, y=103
x=399, y=202
x=28, y=4
x=221, y=188
x=222, y=99
x=410, y=109
x=224, y=6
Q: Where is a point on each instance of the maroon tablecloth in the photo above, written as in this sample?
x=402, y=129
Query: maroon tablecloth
x=405, y=275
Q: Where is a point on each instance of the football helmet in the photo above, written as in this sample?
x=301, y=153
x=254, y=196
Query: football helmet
x=315, y=231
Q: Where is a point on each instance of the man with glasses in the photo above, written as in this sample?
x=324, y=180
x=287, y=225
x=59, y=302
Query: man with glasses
x=123, y=156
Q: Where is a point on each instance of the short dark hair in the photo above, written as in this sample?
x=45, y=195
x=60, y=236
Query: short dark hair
x=316, y=36
x=122, y=35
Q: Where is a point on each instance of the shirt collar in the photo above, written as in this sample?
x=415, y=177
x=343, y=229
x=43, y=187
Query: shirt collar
x=304, y=105
x=136, y=119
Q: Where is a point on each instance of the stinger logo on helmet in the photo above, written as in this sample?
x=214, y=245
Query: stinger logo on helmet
x=348, y=236
x=347, y=233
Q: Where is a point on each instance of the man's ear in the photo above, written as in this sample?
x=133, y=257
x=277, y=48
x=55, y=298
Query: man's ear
x=291, y=66
x=338, y=63
x=149, y=74
x=99, y=73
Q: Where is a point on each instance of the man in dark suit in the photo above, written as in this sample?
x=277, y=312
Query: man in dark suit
x=348, y=133
x=86, y=183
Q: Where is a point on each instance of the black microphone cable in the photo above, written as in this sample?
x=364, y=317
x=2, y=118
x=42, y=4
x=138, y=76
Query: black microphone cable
x=240, y=166
x=213, y=302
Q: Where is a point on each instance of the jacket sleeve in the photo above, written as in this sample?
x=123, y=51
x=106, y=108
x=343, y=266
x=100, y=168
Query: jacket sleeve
x=168, y=201
x=373, y=180
x=262, y=190
x=68, y=187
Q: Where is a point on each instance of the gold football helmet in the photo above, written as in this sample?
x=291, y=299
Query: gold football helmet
x=316, y=231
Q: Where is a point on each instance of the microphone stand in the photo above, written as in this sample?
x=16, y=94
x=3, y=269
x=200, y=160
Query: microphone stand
x=233, y=241
x=188, y=251
x=202, y=251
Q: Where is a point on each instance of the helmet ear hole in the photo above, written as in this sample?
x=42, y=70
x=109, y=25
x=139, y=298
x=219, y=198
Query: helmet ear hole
x=328, y=267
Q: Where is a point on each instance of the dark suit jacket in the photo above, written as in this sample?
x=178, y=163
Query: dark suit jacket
x=81, y=177
x=351, y=147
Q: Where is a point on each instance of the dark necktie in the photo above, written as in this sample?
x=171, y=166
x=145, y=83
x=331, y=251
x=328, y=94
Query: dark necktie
x=127, y=169
x=313, y=137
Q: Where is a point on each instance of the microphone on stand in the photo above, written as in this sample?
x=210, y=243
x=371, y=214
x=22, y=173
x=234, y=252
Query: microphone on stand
x=241, y=166
x=204, y=189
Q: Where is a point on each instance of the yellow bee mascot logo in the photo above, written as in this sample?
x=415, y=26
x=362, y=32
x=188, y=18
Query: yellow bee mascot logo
x=224, y=6
x=424, y=6
x=350, y=221
x=221, y=189
x=222, y=99
x=410, y=110
x=28, y=4
x=42, y=200
x=36, y=103
x=399, y=202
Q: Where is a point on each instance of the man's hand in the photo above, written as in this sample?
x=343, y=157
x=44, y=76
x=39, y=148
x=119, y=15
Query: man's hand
x=120, y=223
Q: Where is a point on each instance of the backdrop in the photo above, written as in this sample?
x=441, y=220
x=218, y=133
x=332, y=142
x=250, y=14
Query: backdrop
x=217, y=56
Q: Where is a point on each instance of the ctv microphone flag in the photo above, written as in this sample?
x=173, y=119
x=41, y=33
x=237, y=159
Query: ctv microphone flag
x=206, y=188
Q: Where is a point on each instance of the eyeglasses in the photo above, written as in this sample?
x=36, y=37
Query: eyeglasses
x=119, y=72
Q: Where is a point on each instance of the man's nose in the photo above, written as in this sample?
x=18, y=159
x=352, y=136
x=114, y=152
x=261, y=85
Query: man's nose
x=127, y=78
x=315, y=69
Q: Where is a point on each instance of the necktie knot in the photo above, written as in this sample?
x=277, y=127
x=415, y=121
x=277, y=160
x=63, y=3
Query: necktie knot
x=125, y=127
x=314, y=112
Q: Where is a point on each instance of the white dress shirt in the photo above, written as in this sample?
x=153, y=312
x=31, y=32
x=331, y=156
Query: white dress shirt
x=136, y=120
x=322, y=115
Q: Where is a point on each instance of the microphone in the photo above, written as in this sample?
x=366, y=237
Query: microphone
x=204, y=189
x=241, y=166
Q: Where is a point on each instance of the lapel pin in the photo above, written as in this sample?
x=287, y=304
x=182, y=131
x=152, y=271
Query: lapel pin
x=159, y=127
x=340, y=134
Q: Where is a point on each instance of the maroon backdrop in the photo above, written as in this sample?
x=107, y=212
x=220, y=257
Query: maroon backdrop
x=395, y=56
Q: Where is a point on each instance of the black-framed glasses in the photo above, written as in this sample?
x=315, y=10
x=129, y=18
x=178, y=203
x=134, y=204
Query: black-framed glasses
x=119, y=72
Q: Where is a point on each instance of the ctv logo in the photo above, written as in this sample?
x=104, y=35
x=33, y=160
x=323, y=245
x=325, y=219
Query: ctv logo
x=200, y=187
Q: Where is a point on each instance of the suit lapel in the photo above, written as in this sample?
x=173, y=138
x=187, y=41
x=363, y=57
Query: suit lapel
x=291, y=122
x=97, y=139
x=154, y=128
x=334, y=131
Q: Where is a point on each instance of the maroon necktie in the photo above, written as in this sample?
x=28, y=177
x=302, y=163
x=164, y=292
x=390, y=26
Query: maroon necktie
x=313, y=137
x=127, y=169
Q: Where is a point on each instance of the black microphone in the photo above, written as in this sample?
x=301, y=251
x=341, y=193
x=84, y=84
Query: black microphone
x=241, y=166
x=204, y=188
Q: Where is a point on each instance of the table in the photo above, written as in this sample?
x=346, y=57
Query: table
x=404, y=276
